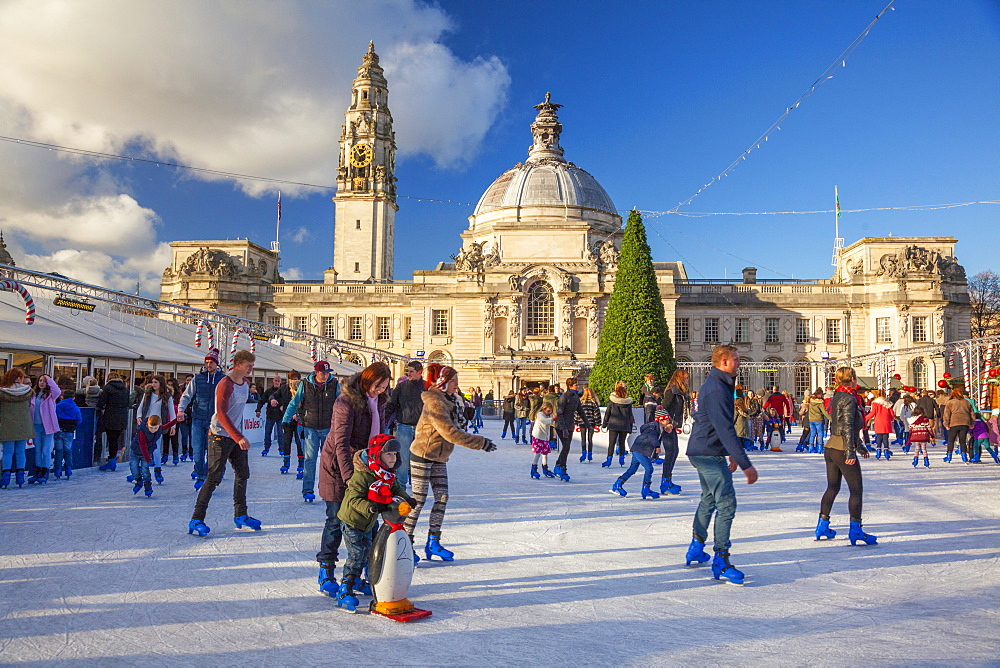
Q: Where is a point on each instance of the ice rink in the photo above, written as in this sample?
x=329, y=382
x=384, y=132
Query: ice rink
x=545, y=573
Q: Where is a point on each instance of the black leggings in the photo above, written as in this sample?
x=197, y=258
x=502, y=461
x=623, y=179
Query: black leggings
x=508, y=422
x=837, y=470
x=959, y=434
x=586, y=438
x=618, y=437
x=290, y=429
x=114, y=439
x=171, y=444
x=670, y=451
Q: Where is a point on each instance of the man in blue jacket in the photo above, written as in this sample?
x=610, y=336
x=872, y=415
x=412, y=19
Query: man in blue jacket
x=713, y=436
x=198, y=404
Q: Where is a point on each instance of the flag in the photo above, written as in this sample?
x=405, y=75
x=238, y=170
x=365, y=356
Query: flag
x=279, y=207
x=836, y=197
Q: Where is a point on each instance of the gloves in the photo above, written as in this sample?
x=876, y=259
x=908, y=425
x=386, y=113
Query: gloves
x=489, y=446
x=404, y=509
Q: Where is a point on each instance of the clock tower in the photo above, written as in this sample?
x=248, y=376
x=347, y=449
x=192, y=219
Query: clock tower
x=365, y=204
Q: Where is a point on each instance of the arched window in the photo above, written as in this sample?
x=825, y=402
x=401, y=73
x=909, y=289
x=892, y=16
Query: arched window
x=802, y=381
x=746, y=375
x=541, y=310
x=772, y=375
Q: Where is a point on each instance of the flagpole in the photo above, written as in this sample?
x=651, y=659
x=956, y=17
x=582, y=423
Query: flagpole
x=838, y=243
x=275, y=245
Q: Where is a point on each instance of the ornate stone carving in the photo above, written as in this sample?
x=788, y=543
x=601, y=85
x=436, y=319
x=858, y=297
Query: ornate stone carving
x=594, y=315
x=208, y=261
x=475, y=260
x=514, y=281
x=853, y=268
x=515, y=318
x=567, y=282
x=567, y=322
x=488, y=318
x=915, y=258
x=609, y=254
x=904, y=322
x=369, y=321
x=939, y=324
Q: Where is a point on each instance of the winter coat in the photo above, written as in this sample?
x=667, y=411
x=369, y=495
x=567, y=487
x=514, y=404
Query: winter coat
x=958, y=412
x=87, y=396
x=818, y=412
x=742, y=417
x=567, y=409
x=405, y=403
x=315, y=403
x=69, y=415
x=48, y=407
x=199, y=396
x=675, y=402
x=846, y=420
x=651, y=394
x=521, y=407
x=905, y=414
x=15, y=413
x=618, y=414
x=349, y=430
x=272, y=413
x=920, y=431
x=780, y=404
x=541, y=428
x=592, y=412
x=882, y=416
x=114, y=404
x=535, y=402
x=357, y=510
x=713, y=433
x=508, y=407
x=929, y=406
x=651, y=436
x=437, y=434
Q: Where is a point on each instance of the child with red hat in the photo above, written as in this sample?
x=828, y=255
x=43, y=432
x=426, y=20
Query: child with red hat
x=373, y=489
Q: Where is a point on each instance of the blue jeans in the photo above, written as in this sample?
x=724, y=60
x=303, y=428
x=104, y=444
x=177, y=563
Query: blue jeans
x=816, y=431
x=718, y=497
x=140, y=467
x=62, y=450
x=329, y=544
x=404, y=434
x=521, y=429
x=310, y=450
x=359, y=545
x=271, y=426
x=13, y=455
x=184, y=432
x=478, y=420
x=647, y=464
x=43, y=447
x=199, y=447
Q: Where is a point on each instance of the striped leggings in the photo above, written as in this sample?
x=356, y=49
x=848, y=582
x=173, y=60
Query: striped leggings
x=424, y=472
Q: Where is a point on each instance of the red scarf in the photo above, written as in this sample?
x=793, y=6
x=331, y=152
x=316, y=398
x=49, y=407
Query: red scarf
x=844, y=388
x=380, y=491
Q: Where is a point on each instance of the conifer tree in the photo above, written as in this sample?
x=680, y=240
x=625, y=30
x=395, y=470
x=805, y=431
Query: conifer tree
x=634, y=339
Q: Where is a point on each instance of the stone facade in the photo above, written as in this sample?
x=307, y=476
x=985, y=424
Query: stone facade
x=523, y=297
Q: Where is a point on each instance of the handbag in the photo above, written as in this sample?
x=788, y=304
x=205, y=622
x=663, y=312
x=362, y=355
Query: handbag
x=686, y=427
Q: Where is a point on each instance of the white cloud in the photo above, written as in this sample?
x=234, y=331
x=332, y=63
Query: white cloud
x=291, y=274
x=251, y=87
x=300, y=235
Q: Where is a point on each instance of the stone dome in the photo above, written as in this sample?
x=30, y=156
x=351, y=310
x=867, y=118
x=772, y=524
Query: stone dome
x=545, y=182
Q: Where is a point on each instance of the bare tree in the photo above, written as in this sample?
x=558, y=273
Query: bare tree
x=984, y=294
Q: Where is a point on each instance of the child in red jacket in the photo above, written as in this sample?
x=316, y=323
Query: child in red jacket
x=920, y=435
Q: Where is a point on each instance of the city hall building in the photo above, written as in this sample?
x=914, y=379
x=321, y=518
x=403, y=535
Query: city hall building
x=523, y=298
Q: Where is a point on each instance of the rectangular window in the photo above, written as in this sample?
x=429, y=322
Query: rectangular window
x=354, y=328
x=742, y=334
x=439, y=322
x=802, y=330
x=383, y=331
x=274, y=320
x=357, y=224
x=407, y=328
x=330, y=327
x=711, y=330
x=357, y=267
x=833, y=330
x=883, y=332
x=772, y=330
x=302, y=323
x=920, y=329
x=682, y=330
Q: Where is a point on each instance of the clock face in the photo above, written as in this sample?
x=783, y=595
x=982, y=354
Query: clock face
x=361, y=155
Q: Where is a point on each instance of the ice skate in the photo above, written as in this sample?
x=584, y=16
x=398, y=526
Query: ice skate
x=725, y=571
x=947, y=458
x=308, y=497
x=433, y=548
x=68, y=471
x=57, y=473
x=888, y=454
x=878, y=454
x=5, y=479
x=327, y=582
x=915, y=460
x=823, y=530
x=110, y=465
x=561, y=472
x=345, y=595
x=136, y=486
x=198, y=484
x=534, y=472
x=606, y=464
x=547, y=473
x=927, y=462
x=198, y=527
x=696, y=553
x=158, y=475
x=647, y=493
x=590, y=457
x=285, y=466
x=583, y=457
x=246, y=522
x=621, y=460
x=858, y=534
x=147, y=487
x=617, y=487
x=263, y=453
x=176, y=461
x=19, y=477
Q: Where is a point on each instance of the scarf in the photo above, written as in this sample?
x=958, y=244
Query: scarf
x=457, y=410
x=380, y=491
x=843, y=388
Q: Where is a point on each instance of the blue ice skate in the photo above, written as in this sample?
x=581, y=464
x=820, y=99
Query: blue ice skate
x=696, y=553
x=246, y=522
x=858, y=534
x=725, y=571
x=617, y=487
x=433, y=548
x=823, y=530
x=198, y=527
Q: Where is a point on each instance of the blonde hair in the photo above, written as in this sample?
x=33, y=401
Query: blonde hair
x=588, y=395
x=845, y=374
x=720, y=353
x=546, y=405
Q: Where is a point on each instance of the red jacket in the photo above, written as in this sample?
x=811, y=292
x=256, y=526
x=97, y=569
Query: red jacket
x=920, y=430
x=780, y=403
x=882, y=416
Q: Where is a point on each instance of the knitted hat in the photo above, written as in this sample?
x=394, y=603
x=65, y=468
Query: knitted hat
x=661, y=413
x=213, y=355
x=322, y=366
x=439, y=375
x=382, y=443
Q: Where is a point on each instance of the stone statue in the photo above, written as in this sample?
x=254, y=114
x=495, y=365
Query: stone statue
x=208, y=261
x=915, y=258
x=567, y=322
x=904, y=322
x=609, y=254
x=939, y=324
x=488, y=318
x=515, y=318
x=514, y=281
x=567, y=282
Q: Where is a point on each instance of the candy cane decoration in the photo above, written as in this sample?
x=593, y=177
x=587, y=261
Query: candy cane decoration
x=236, y=336
x=984, y=383
x=965, y=363
x=312, y=351
x=332, y=349
x=204, y=325
x=29, y=303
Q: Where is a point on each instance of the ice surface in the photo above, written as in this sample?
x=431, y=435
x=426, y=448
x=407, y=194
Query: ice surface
x=545, y=572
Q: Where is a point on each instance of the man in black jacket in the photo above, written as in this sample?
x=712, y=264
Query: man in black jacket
x=272, y=416
x=568, y=407
x=405, y=406
x=713, y=436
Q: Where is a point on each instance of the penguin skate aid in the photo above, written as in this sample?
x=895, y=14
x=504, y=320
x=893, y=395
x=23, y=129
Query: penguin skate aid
x=371, y=491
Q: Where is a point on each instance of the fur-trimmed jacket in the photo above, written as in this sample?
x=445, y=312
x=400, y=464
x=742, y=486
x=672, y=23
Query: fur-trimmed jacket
x=437, y=433
x=349, y=429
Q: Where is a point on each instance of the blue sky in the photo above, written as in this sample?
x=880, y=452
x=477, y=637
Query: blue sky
x=659, y=98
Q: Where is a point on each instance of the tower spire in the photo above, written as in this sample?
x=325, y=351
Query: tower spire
x=545, y=131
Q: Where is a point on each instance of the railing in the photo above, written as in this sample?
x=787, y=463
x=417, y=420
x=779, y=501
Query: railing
x=348, y=288
x=751, y=288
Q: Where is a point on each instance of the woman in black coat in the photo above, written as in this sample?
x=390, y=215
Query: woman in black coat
x=675, y=400
x=618, y=421
x=113, y=404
